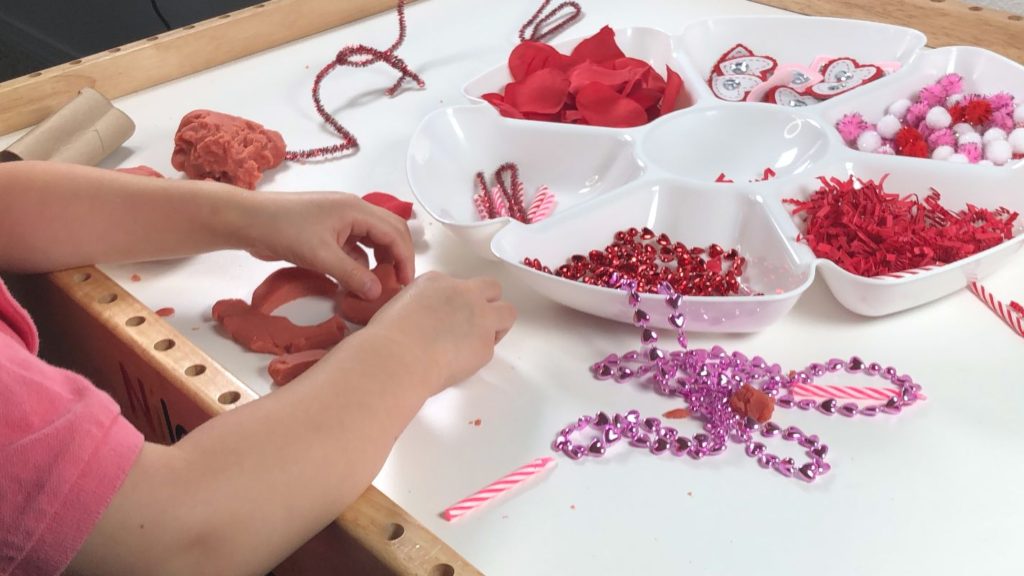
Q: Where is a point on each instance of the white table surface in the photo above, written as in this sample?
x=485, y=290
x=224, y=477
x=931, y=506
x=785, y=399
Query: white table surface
x=935, y=490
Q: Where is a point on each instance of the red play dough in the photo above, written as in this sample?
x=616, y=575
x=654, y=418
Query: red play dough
x=215, y=146
x=388, y=202
x=288, y=284
x=141, y=170
x=288, y=367
x=256, y=329
x=359, y=311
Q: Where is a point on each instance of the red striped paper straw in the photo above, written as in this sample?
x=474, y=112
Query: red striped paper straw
x=497, y=488
x=1012, y=319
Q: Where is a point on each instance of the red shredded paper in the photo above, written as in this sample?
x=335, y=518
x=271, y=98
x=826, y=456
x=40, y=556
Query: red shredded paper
x=869, y=232
x=597, y=85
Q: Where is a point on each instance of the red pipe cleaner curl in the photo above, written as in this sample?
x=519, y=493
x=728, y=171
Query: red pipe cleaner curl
x=347, y=57
x=569, y=12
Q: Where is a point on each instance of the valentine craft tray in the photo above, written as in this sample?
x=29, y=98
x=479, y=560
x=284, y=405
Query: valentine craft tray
x=662, y=175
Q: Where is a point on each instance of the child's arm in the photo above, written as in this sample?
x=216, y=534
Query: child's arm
x=241, y=492
x=55, y=216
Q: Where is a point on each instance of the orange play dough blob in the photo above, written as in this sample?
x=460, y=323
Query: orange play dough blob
x=288, y=367
x=359, y=311
x=141, y=170
x=215, y=146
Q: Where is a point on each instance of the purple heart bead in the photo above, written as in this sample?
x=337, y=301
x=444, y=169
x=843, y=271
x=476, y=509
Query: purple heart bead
x=651, y=424
x=667, y=432
x=792, y=434
x=659, y=446
x=680, y=445
x=641, y=440
x=601, y=420
x=817, y=369
x=623, y=373
x=755, y=449
x=835, y=365
x=759, y=362
x=854, y=364
x=785, y=467
x=611, y=436
x=648, y=336
x=874, y=369
x=677, y=320
x=682, y=340
x=849, y=409
x=568, y=430
x=809, y=441
x=575, y=451
x=701, y=441
x=718, y=353
x=654, y=354
x=583, y=422
x=907, y=394
x=630, y=431
x=770, y=429
x=767, y=460
x=604, y=372
x=611, y=359
x=674, y=300
x=808, y=472
x=823, y=467
x=820, y=451
x=597, y=447
x=869, y=411
x=716, y=450
x=806, y=404
x=634, y=298
x=890, y=372
x=828, y=406
x=641, y=318
x=631, y=356
x=785, y=401
x=559, y=443
x=633, y=417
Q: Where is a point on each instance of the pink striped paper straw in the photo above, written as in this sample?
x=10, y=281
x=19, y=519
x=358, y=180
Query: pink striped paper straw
x=843, y=392
x=497, y=488
x=1012, y=319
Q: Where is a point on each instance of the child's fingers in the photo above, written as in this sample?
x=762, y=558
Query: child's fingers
x=394, y=239
x=503, y=316
x=353, y=276
x=353, y=249
x=489, y=288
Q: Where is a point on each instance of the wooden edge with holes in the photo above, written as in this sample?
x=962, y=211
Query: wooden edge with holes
x=126, y=69
x=166, y=386
x=944, y=22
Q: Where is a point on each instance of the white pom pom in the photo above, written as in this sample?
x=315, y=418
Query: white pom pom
x=1018, y=115
x=943, y=152
x=938, y=118
x=1016, y=140
x=985, y=163
x=954, y=99
x=993, y=134
x=899, y=108
x=869, y=141
x=962, y=128
x=969, y=137
x=888, y=126
x=958, y=158
x=998, y=151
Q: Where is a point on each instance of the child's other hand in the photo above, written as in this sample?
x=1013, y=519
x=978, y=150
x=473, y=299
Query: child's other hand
x=326, y=232
x=450, y=325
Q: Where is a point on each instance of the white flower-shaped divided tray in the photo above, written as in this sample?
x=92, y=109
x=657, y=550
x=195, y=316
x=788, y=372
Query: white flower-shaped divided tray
x=661, y=175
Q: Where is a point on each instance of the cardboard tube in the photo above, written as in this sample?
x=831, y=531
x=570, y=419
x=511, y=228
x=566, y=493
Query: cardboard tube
x=85, y=131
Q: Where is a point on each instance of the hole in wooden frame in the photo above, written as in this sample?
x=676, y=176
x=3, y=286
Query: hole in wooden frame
x=164, y=345
x=107, y=298
x=394, y=531
x=229, y=397
x=195, y=370
x=81, y=276
x=442, y=570
x=135, y=321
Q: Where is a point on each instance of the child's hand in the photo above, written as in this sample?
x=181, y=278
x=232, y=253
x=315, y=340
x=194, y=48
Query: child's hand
x=451, y=325
x=324, y=231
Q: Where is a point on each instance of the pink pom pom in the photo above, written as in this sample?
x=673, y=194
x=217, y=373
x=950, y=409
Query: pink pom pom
x=972, y=151
x=916, y=113
x=951, y=84
x=924, y=129
x=944, y=137
x=932, y=95
x=851, y=126
x=1002, y=101
x=1002, y=119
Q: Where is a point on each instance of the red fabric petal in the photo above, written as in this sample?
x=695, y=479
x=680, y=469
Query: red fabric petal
x=498, y=101
x=600, y=47
x=673, y=86
x=645, y=97
x=388, y=202
x=529, y=57
x=542, y=92
x=602, y=106
x=644, y=75
x=587, y=72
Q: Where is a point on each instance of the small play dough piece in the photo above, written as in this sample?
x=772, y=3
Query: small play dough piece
x=268, y=334
x=752, y=403
x=288, y=367
x=141, y=170
x=388, y=202
x=215, y=146
x=359, y=311
x=288, y=284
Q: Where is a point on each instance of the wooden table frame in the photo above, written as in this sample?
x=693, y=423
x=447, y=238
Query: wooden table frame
x=166, y=385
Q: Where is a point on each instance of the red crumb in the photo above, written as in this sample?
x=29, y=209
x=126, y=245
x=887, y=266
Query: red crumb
x=136, y=278
x=572, y=506
x=689, y=493
x=477, y=422
x=677, y=414
x=165, y=312
x=751, y=402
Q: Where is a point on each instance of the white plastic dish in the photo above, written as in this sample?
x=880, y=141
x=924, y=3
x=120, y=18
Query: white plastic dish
x=661, y=175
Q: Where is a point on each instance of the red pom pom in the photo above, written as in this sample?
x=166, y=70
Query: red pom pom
x=909, y=142
x=977, y=112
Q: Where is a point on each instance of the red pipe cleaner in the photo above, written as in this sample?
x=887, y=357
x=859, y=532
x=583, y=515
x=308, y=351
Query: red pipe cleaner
x=540, y=19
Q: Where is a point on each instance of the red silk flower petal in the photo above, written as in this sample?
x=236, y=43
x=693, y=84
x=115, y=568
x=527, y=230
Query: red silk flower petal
x=673, y=86
x=645, y=97
x=498, y=101
x=529, y=57
x=600, y=47
x=543, y=92
x=587, y=72
x=602, y=106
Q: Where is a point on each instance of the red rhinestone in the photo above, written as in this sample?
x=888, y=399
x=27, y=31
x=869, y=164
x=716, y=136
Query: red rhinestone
x=715, y=251
x=647, y=234
x=632, y=233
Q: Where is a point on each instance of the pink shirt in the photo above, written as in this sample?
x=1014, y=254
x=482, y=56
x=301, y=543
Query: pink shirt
x=65, y=449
